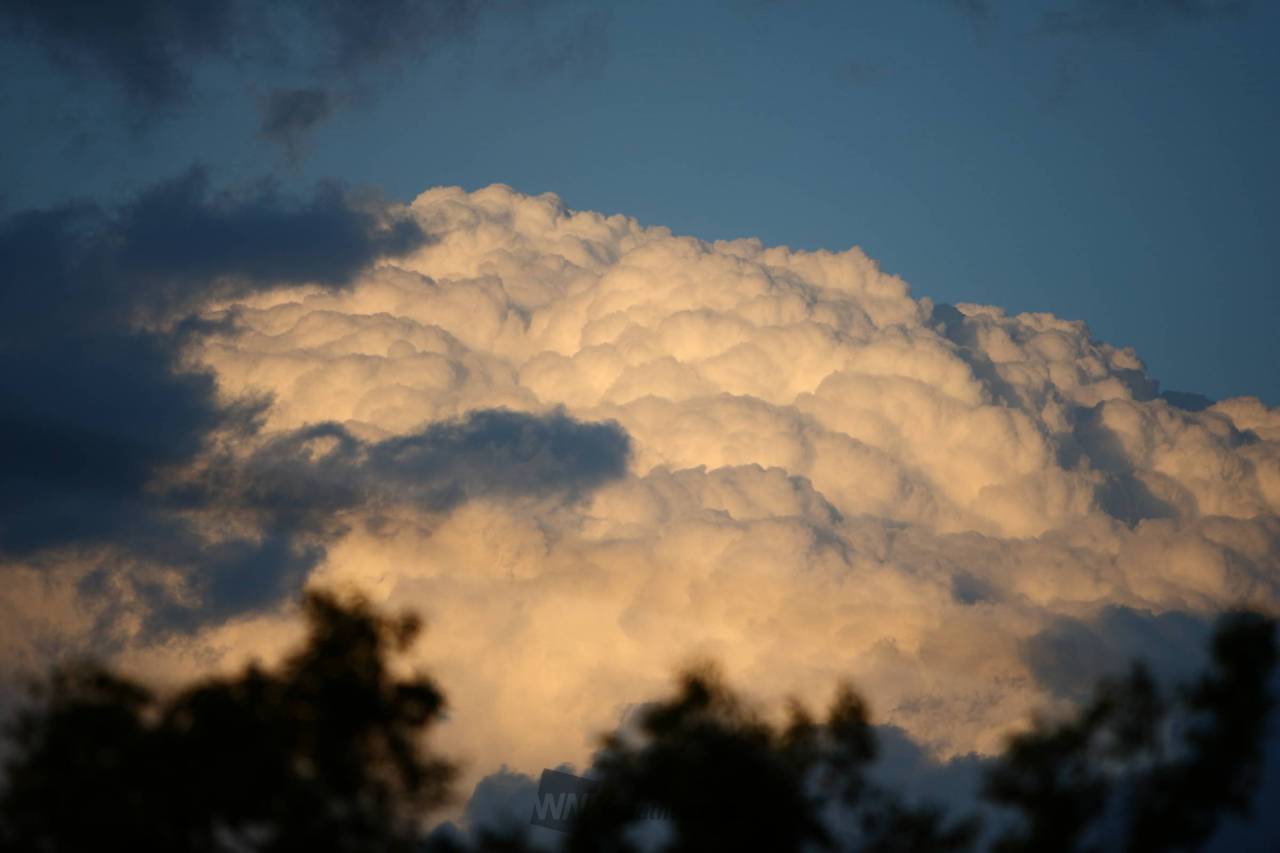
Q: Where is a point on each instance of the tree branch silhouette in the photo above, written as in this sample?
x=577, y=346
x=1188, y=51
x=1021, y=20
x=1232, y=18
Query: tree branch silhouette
x=322, y=753
x=326, y=752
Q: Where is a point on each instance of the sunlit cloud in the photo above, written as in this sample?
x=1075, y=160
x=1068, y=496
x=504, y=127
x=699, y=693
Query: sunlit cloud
x=825, y=477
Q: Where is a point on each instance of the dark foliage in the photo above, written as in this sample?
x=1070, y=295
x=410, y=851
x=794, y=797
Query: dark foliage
x=1168, y=768
x=321, y=754
x=324, y=753
x=1176, y=806
x=730, y=781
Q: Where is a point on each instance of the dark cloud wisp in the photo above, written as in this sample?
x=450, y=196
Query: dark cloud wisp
x=290, y=115
x=489, y=453
x=145, y=47
x=151, y=50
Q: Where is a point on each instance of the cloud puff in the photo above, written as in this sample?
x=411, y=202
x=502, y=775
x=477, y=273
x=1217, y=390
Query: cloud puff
x=823, y=477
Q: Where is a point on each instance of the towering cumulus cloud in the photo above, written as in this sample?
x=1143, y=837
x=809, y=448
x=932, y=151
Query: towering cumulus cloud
x=968, y=513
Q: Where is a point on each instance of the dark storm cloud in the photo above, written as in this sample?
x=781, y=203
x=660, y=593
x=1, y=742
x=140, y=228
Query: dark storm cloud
x=496, y=452
x=290, y=115
x=180, y=233
x=500, y=453
x=85, y=270
x=85, y=420
x=146, y=47
x=92, y=406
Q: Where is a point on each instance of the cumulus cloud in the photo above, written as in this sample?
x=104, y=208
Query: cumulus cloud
x=779, y=459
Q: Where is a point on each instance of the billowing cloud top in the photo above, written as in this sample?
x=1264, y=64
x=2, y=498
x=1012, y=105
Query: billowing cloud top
x=821, y=477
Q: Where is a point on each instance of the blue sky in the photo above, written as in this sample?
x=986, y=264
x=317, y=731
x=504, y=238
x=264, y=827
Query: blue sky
x=1118, y=168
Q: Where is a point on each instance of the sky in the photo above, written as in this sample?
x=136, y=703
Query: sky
x=1113, y=164
x=825, y=341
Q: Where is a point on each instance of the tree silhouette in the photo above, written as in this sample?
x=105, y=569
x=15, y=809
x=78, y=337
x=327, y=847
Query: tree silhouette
x=1056, y=775
x=730, y=781
x=1174, y=788
x=321, y=754
x=325, y=753
x=1131, y=770
x=707, y=761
